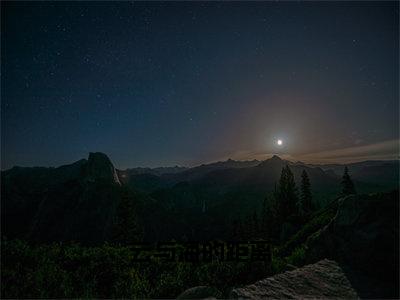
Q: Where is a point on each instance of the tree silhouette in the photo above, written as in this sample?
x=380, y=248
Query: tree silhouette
x=239, y=234
x=126, y=229
x=236, y=229
x=347, y=183
x=248, y=227
x=264, y=217
x=268, y=218
x=306, y=205
x=286, y=195
x=256, y=229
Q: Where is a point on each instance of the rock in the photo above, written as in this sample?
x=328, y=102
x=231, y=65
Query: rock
x=99, y=166
x=200, y=292
x=324, y=279
x=364, y=236
x=290, y=267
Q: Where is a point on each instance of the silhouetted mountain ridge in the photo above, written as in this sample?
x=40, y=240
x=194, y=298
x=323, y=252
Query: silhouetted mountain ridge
x=79, y=201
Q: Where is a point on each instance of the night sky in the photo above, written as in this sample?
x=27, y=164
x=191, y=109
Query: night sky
x=159, y=84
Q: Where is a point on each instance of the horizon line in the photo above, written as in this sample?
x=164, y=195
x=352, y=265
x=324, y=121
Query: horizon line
x=283, y=157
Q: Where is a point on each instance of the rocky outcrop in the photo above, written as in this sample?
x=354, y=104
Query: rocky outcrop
x=200, y=292
x=355, y=256
x=72, y=202
x=99, y=166
x=364, y=235
x=322, y=280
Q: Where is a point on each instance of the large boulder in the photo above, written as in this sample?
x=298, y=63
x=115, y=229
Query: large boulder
x=200, y=292
x=364, y=235
x=322, y=280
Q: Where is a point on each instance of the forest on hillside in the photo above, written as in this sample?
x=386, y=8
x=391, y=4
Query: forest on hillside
x=37, y=266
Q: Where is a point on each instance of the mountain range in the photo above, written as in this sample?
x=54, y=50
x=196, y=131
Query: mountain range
x=80, y=201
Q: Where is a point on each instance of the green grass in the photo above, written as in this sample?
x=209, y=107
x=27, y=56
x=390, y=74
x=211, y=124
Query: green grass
x=74, y=271
x=320, y=219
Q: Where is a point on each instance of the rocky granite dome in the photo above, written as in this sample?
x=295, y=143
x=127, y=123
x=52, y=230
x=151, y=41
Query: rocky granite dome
x=323, y=280
x=72, y=202
x=99, y=166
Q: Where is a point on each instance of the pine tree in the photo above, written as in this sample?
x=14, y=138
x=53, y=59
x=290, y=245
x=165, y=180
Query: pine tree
x=239, y=230
x=306, y=205
x=268, y=218
x=235, y=230
x=126, y=229
x=249, y=227
x=347, y=183
x=286, y=195
x=256, y=229
x=264, y=217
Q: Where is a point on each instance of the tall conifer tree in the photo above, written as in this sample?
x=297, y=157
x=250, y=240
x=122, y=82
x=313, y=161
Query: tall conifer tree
x=286, y=195
x=347, y=183
x=306, y=205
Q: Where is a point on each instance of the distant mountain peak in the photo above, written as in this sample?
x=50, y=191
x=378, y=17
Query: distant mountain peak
x=99, y=166
x=275, y=157
x=275, y=160
x=97, y=156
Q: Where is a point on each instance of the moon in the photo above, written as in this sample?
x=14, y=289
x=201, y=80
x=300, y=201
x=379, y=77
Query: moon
x=279, y=142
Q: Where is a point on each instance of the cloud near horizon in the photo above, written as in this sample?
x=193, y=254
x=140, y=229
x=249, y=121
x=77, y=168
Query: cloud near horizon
x=379, y=151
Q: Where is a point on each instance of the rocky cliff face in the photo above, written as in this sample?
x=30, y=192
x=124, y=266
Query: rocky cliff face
x=362, y=245
x=364, y=235
x=71, y=202
x=99, y=166
x=322, y=280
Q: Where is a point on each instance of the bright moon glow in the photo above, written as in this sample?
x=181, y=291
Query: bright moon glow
x=279, y=142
